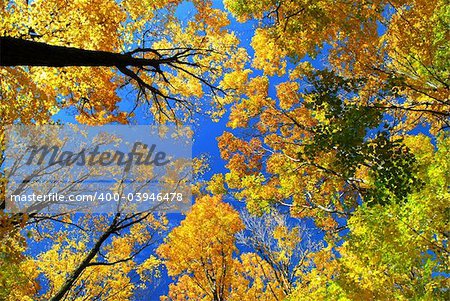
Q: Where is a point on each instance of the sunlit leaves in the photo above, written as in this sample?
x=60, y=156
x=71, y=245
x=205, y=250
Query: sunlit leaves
x=199, y=252
x=122, y=26
x=397, y=46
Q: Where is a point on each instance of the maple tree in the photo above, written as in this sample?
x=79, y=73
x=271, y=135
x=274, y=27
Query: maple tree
x=200, y=251
x=100, y=252
x=82, y=55
x=99, y=262
x=314, y=156
x=320, y=146
x=338, y=141
x=281, y=249
x=397, y=46
x=202, y=254
x=17, y=271
x=170, y=63
x=334, y=144
x=334, y=139
x=19, y=52
x=393, y=250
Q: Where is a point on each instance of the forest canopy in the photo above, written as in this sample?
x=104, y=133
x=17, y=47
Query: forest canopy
x=333, y=181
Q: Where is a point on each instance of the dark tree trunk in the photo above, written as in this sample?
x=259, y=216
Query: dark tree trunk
x=19, y=52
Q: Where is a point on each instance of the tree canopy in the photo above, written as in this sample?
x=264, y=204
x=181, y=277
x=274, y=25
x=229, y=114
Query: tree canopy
x=334, y=179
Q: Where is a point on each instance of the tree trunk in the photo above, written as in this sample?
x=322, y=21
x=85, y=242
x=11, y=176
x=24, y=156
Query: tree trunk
x=70, y=281
x=19, y=52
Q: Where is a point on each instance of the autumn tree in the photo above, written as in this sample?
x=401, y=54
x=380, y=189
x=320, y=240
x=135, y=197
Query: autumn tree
x=202, y=254
x=200, y=251
x=282, y=252
x=100, y=262
x=170, y=64
x=415, y=252
x=334, y=143
x=88, y=254
x=400, y=47
x=86, y=57
x=394, y=250
x=49, y=50
x=18, y=271
x=314, y=151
